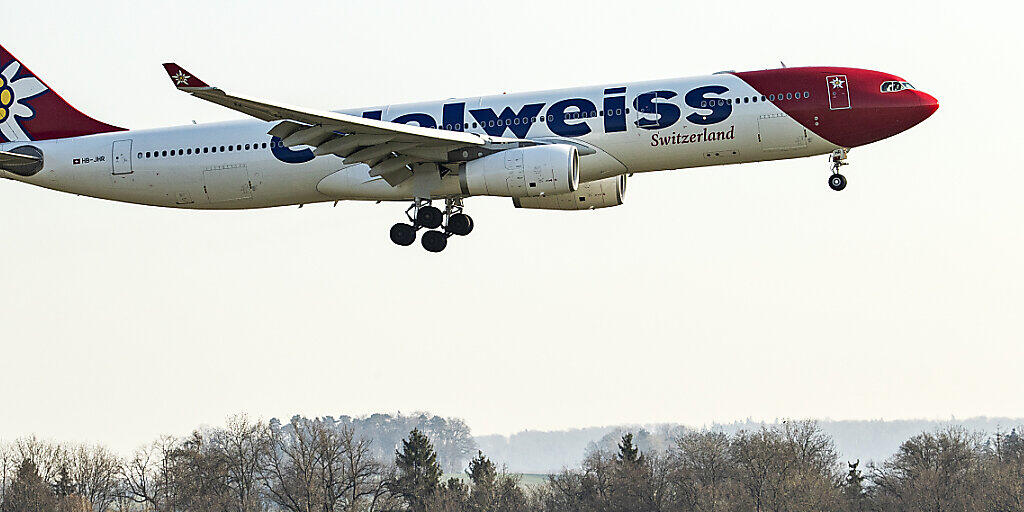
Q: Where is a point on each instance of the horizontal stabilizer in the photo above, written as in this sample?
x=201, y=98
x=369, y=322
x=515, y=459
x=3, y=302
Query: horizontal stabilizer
x=21, y=164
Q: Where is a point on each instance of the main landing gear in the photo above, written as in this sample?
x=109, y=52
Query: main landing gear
x=837, y=181
x=422, y=215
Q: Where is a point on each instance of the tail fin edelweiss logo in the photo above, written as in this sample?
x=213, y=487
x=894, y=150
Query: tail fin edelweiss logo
x=12, y=93
x=181, y=78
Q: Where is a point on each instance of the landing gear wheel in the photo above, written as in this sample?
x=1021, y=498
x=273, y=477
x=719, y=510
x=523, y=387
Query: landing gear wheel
x=403, y=234
x=837, y=182
x=429, y=217
x=434, y=241
x=460, y=224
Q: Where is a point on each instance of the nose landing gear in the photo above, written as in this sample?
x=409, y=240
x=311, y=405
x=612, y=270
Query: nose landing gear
x=422, y=215
x=837, y=181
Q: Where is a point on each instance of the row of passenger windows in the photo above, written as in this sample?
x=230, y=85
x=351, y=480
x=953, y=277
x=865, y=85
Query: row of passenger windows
x=499, y=122
x=549, y=118
x=207, y=149
x=754, y=99
x=618, y=112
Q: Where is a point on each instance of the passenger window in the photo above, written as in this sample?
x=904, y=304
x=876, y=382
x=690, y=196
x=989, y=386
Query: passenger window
x=264, y=145
x=222, y=149
x=771, y=97
x=189, y=151
x=247, y=147
x=458, y=127
x=147, y=154
x=163, y=153
x=807, y=94
x=703, y=103
x=140, y=155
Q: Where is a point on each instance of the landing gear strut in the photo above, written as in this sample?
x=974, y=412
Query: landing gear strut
x=837, y=181
x=422, y=215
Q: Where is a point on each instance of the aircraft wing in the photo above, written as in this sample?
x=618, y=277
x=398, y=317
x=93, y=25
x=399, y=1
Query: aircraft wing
x=390, y=149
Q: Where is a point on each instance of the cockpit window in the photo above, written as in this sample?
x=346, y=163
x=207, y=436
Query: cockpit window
x=894, y=86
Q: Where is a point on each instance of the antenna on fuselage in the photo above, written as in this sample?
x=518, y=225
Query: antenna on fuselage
x=783, y=64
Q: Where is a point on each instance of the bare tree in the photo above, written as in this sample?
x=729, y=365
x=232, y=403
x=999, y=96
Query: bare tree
x=146, y=475
x=936, y=472
x=8, y=467
x=46, y=456
x=243, y=445
x=290, y=467
x=703, y=471
x=95, y=470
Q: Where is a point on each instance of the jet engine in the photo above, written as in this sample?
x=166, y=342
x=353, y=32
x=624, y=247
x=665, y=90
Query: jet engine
x=535, y=171
x=589, y=196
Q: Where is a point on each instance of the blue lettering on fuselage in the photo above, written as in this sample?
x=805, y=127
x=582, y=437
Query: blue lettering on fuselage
x=668, y=113
x=519, y=122
x=566, y=118
x=720, y=109
x=557, y=118
x=289, y=156
x=424, y=120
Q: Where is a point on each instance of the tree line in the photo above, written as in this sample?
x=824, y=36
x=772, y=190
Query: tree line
x=325, y=465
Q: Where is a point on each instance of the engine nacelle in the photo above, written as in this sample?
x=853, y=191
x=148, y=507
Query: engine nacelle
x=523, y=172
x=589, y=196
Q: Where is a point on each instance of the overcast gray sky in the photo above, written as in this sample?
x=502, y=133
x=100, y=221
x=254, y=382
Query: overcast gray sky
x=711, y=295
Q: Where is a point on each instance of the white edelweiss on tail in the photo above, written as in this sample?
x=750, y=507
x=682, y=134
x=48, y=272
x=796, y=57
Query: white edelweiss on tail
x=12, y=93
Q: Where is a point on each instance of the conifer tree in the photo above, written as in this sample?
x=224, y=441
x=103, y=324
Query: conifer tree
x=853, y=488
x=484, y=476
x=481, y=470
x=629, y=453
x=29, y=493
x=419, y=474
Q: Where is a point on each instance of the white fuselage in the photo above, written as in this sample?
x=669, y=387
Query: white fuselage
x=130, y=166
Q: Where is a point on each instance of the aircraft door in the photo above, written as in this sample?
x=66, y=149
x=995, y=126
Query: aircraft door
x=121, y=157
x=227, y=183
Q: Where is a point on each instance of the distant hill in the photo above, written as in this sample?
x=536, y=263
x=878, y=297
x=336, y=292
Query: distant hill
x=869, y=440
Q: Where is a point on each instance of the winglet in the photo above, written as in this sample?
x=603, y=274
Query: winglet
x=182, y=79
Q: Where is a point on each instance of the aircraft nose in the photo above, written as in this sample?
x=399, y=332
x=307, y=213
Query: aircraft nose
x=927, y=105
x=908, y=109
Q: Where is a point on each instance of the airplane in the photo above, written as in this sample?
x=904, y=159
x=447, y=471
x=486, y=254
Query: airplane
x=569, y=149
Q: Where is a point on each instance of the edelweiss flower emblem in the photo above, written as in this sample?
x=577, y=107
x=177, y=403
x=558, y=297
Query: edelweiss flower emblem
x=837, y=83
x=12, y=93
x=181, y=78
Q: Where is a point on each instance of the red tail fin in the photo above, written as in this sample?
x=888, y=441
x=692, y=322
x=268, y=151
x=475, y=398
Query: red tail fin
x=30, y=110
